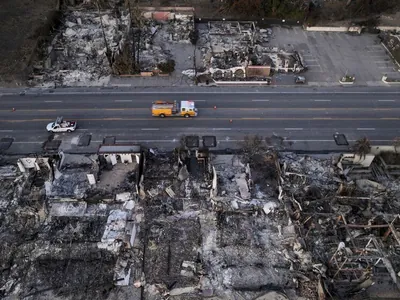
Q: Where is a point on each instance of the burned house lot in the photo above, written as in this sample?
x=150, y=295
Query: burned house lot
x=132, y=223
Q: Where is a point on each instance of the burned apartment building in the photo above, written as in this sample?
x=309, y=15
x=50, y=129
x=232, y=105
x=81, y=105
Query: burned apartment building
x=193, y=224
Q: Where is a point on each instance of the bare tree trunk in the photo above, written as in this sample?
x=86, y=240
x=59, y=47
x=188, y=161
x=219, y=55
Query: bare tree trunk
x=108, y=50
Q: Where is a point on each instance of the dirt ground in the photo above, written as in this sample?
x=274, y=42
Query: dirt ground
x=21, y=23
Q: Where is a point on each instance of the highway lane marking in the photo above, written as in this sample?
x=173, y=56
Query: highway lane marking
x=204, y=119
x=322, y=100
x=260, y=100
x=123, y=100
x=366, y=129
x=386, y=100
x=3, y=130
x=150, y=129
x=203, y=108
x=110, y=93
x=53, y=101
x=222, y=129
x=289, y=129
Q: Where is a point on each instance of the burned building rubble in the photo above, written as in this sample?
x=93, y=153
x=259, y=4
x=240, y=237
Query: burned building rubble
x=91, y=45
x=64, y=235
x=192, y=224
x=84, y=49
x=159, y=38
x=240, y=51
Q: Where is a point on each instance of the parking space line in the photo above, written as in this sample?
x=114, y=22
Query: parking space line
x=305, y=34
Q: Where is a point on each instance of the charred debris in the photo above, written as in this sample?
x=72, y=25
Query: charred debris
x=129, y=223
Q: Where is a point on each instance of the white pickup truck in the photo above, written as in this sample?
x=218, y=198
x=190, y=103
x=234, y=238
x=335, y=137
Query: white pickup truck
x=61, y=126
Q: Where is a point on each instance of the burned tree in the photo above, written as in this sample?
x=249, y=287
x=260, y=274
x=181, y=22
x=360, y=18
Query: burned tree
x=362, y=147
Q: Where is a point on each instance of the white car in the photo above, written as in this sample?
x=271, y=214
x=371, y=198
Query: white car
x=61, y=126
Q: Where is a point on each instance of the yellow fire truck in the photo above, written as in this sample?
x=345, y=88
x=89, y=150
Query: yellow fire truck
x=164, y=109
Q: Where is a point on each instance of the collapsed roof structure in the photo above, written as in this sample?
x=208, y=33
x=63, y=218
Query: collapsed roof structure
x=192, y=224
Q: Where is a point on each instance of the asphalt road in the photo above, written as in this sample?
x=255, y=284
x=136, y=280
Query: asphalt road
x=307, y=118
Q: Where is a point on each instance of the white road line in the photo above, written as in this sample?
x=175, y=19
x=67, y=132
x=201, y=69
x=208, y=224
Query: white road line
x=260, y=100
x=199, y=100
x=122, y=100
x=365, y=128
x=6, y=130
x=322, y=100
x=53, y=101
x=213, y=92
x=222, y=129
x=387, y=100
x=293, y=129
x=317, y=66
x=151, y=129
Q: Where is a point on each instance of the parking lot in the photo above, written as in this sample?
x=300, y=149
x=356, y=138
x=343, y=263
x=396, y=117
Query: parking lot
x=330, y=55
